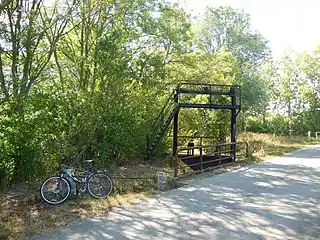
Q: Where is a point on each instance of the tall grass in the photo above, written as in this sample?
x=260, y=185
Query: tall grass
x=263, y=146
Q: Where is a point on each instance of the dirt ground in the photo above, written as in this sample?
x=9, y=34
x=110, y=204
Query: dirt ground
x=23, y=213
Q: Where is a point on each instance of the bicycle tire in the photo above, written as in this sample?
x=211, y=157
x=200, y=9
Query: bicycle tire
x=63, y=198
x=101, y=193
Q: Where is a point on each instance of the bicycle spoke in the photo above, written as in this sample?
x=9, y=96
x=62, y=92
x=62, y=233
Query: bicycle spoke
x=51, y=195
x=55, y=190
x=61, y=197
x=102, y=191
x=100, y=185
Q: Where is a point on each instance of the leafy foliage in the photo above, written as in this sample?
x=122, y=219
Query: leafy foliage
x=87, y=79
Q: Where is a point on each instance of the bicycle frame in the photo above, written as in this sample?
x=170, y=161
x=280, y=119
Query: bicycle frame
x=64, y=171
x=71, y=178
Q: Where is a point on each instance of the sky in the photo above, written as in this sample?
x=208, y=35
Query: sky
x=285, y=24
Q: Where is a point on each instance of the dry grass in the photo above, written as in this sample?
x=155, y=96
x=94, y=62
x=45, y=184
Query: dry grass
x=27, y=215
x=265, y=146
x=24, y=214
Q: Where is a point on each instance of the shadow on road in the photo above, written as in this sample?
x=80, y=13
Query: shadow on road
x=266, y=201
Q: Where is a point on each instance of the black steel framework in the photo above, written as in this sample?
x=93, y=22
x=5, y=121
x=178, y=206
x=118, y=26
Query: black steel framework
x=217, y=97
x=219, y=154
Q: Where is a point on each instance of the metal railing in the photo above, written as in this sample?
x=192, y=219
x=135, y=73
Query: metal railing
x=221, y=152
x=168, y=107
x=200, y=139
x=174, y=103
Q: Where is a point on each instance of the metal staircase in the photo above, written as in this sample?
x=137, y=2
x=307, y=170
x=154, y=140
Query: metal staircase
x=217, y=97
x=160, y=126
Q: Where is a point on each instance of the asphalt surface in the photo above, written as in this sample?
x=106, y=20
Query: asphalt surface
x=277, y=199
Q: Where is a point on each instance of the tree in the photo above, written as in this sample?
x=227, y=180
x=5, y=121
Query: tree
x=227, y=28
x=309, y=66
x=28, y=39
x=117, y=53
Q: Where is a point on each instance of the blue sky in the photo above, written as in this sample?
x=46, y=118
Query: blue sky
x=286, y=24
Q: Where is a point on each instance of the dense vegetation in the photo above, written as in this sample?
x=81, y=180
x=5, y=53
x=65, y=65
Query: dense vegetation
x=87, y=78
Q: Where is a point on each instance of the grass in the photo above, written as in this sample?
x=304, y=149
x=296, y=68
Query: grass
x=23, y=213
x=26, y=214
x=265, y=146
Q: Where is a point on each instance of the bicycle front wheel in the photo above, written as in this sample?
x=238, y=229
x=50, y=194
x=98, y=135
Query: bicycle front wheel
x=55, y=190
x=100, y=185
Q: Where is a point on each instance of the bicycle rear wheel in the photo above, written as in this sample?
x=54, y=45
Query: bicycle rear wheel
x=55, y=190
x=100, y=185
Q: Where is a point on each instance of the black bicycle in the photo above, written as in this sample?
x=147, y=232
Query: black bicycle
x=55, y=190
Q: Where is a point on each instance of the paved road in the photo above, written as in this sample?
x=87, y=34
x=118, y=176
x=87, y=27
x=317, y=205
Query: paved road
x=278, y=199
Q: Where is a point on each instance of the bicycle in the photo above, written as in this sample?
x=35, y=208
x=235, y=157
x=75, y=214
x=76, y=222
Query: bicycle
x=56, y=189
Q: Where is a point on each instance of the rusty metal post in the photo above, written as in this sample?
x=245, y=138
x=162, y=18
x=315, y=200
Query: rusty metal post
x=233, y=123
x=220, y=155
x=201, y=159
x=175, y=133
